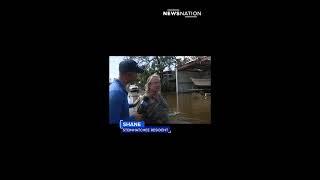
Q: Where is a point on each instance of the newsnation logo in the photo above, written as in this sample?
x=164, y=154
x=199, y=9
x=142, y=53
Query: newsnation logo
x=178, y=12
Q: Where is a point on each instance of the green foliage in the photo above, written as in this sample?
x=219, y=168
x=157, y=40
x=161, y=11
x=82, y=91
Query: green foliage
x=152, y=64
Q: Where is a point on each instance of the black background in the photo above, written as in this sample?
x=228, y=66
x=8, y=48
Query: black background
x=65, y=96
x=163, y=36
x=58, y=97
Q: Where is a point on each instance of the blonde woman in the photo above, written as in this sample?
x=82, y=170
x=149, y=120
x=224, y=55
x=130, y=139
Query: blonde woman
x=153, y=107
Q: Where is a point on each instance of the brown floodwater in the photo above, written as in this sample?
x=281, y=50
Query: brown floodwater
x=193, y=108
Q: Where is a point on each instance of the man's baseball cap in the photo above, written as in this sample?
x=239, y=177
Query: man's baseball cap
x=129, y=66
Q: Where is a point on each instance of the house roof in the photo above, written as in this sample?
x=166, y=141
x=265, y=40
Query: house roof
x=201, y=64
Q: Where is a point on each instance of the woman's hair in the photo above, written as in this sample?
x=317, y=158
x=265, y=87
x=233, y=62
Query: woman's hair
x=149, y=80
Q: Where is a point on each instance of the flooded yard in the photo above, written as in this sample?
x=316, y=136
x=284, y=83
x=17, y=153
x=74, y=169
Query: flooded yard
x=193, y=108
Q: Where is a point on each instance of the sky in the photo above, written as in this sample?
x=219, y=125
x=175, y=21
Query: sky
x=114, y=66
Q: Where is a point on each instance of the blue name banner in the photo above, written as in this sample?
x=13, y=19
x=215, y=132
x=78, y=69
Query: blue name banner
x=131, y=124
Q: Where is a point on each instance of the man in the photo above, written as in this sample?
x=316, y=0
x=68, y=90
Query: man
x=118, y=95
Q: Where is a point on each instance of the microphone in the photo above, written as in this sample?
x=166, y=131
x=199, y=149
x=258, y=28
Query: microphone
x=143, y=105
x=146, y=98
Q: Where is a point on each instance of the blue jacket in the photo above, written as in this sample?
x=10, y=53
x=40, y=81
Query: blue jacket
x=118, y=103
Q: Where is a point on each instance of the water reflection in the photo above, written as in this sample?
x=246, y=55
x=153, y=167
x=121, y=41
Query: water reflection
x=193, y=108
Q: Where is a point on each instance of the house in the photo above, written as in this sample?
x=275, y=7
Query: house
x=200, y=68
x=169, y=80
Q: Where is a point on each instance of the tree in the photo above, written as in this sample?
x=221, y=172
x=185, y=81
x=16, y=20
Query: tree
x=152, y=64
x=157, y=64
